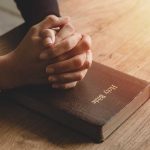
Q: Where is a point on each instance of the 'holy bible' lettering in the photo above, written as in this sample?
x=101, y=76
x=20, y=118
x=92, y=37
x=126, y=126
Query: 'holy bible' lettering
x=103, y=96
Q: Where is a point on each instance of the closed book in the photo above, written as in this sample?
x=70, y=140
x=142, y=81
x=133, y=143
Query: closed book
x=96, y=107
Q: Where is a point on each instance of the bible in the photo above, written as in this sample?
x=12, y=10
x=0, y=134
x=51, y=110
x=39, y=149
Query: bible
x=96, y=107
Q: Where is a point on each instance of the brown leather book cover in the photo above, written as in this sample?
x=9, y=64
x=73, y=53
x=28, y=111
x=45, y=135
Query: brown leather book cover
x=96, y=107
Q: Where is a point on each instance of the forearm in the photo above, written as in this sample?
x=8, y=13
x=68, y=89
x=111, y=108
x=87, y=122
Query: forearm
x=34, y=11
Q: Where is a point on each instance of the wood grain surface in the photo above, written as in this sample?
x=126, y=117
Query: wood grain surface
x=120, y=31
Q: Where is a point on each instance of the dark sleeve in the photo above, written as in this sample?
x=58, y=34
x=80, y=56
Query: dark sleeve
x=34, y=11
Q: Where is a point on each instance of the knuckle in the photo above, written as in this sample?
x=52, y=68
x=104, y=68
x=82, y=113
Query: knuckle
x=64, y=86
x=70, y=27
x=87, y=64
x=33, y=29
x=74, y=84
x=67, y=45
x=80, y=76
x=78, y=35
x=88, y=37
x=34, y=39
x=85, y=44
x=69, y=86
x=52, y=18
x=78, y=62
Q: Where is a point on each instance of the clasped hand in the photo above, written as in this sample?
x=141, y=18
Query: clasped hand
x=52, y=52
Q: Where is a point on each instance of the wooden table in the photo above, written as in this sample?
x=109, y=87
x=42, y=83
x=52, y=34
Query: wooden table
x=121, y=39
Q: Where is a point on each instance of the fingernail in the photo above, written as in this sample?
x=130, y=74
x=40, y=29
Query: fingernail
x=55, y=86
x=43, y=56
x=49, y=70
x=49, y=40
x=52, y=79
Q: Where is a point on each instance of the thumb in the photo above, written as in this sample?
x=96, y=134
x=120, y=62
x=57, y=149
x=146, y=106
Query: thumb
x=48, y=36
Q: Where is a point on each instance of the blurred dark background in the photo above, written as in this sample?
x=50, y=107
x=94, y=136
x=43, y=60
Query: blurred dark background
x=9, y=16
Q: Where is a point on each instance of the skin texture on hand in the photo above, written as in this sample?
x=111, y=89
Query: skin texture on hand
x=70, y=67
x=68, y=58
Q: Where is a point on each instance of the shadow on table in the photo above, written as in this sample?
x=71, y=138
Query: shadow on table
x=39, y=127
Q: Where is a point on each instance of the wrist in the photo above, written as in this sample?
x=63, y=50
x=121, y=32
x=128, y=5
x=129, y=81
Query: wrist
x=7, y=70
